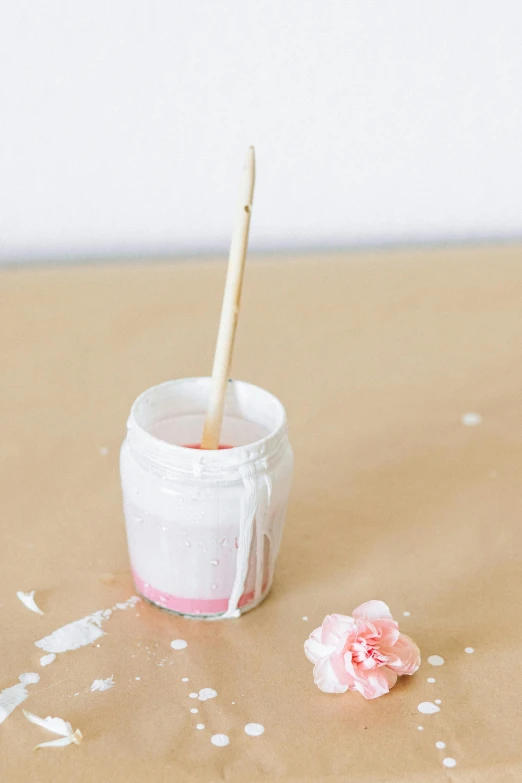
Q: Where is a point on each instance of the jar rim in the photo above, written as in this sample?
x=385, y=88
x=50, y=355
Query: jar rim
x=178, y=458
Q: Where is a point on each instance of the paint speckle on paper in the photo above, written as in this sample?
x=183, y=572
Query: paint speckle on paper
x=254, y=729
x=420, y=728
x=28, y=601
x=406, y=614
x=104, y=451
x=103, y=685
x=220, y=740
x=449, y=762
x=428, y=708
x=193, y=695
x=179, y=644
x=56, y=726
x=304, y=617
x=184, y=679
x=81, y=632
x=436, y=660
x=137, y=678
x=11, y=698
x=45, y=660
x=438, y=701
x=440, y=745
x=432, y=679
x=194, y=710
x=469, y=650
x=471, y=419
x=207, y=693
x=201, y=726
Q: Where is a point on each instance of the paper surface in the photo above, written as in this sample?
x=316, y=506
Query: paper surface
x=376, y=356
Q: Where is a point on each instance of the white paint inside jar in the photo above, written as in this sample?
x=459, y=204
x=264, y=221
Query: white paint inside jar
x=204, y=527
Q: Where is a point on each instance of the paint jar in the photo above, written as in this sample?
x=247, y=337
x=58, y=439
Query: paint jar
x=204, y=527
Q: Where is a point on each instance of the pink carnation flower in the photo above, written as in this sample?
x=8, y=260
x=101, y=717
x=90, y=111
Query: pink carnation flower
x=364, y=652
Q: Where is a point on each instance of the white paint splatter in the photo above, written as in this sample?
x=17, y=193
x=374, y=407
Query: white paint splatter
x=471, y=419
x=137, y=678
x=201, y=726
x=407, y=614
x=428, y=708
x=220, y=740
x=179, y=644
x=56, y=726
x=104, y=451
x=103, y=685
x=207, y=693
x=45, y=660
x=184, y=679
x=440, y=745
x=28, y=601
x=432, y=679
x=194, y=710
x=304, y=617
x=436, y=660
x=469, y=650
x=254, y=729
x=81, y=632
x=11, y=698
x=193, y=695
x=449, y=762
x=438, y=701
x=420, y=728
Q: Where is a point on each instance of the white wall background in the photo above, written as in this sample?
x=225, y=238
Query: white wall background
x=124, y=123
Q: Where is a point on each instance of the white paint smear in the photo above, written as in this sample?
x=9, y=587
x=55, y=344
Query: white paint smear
x=81, y=632
x=420, y=728
x=179, y=644
x=193, y=695
x=471, y=419
x=103, y=685
x=56, y=726
x=438, y=701
x=207, y=693
x=254, y=729
x=200, y=726
x=407, y=614
x=432, y=679
x=220, y=740
x=194, y=710
x=28, y=600
x=440, y=745
x=428, y=708
x=304, y=617
x=45, y=660
x=436, y=660
x=449, y=762
x=11, y=698
x=469, y=650
x=184, y=679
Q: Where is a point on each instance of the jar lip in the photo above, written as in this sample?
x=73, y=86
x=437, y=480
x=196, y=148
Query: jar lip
x=171, y=455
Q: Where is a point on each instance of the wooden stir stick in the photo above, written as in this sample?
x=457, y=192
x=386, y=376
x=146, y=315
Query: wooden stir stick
x=230, y=307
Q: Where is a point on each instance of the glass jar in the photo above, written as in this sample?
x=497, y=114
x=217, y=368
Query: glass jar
x=204, y=527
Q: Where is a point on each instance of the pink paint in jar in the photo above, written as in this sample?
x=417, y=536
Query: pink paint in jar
x=204, y=527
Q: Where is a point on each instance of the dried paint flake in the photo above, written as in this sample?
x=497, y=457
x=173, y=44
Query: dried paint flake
x=28, y=601
x=56, y=726
x=103, y=685
x=11, y=698
x=81, y=632
x=45, y=660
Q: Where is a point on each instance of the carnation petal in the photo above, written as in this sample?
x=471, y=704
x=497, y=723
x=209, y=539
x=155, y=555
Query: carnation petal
x=315, y=650
x=376, y=682
x=326, y=679
x=372, y=610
